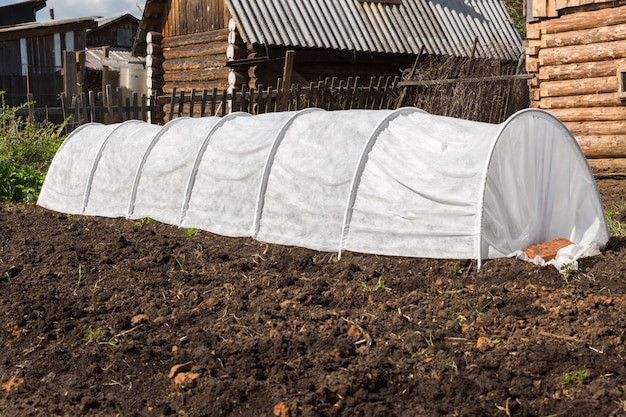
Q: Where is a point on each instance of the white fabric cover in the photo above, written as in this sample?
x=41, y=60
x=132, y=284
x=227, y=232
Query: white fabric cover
x=400, y=182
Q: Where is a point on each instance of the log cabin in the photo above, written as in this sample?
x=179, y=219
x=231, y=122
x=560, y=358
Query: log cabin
x=577, y=52
x=205, y=44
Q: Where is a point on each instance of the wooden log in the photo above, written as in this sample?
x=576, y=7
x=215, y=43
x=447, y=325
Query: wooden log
x=579, y=70
x=532, y=65
x=220, y=35
x=607, y=164
x=585, y=100
x=586, y=20
x=234, y=38
x=533, y=47
x=154, y=37
x=154, y=72
x=533, y=31
x=255, y=71
x=237, y=78
x=534, y=95
x=613, y=146
x=195, y=51
x=155, y=83
x=154, y=49
x=583, y=53
x=232, y=25
x=235, y=52
x=198, y=85
x=590, y=114
x=614, y=127
x=188, y=64
x=584, y=37
x=153, y=61
x=202, y=75
x=579, y=87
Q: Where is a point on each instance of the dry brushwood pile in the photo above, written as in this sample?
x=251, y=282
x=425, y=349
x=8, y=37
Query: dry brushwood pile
x=112, y=317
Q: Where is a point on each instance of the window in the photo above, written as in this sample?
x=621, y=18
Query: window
x=124, y=37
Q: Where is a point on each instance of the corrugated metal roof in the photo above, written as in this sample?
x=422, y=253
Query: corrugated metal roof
x=95, y=59
x=442, y=27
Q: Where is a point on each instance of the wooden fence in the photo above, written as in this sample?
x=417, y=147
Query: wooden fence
x=330, y=94
x=115, y=106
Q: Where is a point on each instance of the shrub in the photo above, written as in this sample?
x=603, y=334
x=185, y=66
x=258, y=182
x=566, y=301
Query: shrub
x=26, y=150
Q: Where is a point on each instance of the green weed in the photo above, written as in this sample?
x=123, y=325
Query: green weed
x=613, y=215
x=26, y=150
x=191, y=231
x=428, y=339
x=455, y=271
x=81, y=276
x=479, y=310
x=126, y=381
x=181, y=267
x=93, y=335
x=380, y=285
x=143, y=221
x=578, y=376
x=120, y=413
x=96, y=336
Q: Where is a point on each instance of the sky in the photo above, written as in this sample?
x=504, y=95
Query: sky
x=66, y=9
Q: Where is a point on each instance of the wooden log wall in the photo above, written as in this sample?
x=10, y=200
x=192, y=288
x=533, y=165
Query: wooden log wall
x=537, y=9
x=154, y=62
x=576, y=59
x=195, y=61
x=237, y=49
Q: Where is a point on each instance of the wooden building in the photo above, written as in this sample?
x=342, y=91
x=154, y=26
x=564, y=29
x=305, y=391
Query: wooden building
x=205, y=44
x=577, y=51
x=117, y=33
x=31, y=58
x=22, y=12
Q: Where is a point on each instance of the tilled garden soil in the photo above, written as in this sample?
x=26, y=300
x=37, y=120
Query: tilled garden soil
x=106, y=317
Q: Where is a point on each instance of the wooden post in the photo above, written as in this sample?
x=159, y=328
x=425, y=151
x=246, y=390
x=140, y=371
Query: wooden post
x=69, y=74
x=287, y=70
x=31, y=107
x=410, y=76
x=105, y=77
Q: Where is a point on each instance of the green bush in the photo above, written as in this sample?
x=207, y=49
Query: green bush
x=26, y=150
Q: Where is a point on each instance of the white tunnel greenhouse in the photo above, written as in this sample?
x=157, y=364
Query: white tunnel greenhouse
x=400, y=182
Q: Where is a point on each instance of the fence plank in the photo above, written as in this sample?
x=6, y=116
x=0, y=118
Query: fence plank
x=135, y=106
x=109, y=98
x=172, y=99
x=144, y=112
x=224, y=102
